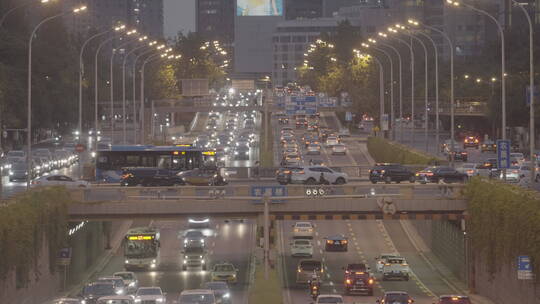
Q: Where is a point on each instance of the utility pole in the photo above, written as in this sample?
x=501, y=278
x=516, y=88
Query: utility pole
x=266, y=236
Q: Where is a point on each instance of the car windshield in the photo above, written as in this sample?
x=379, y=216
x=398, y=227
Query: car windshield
x=310, y=265
x=194, y=234
x=19, y=166
x=329, y=300
x=302, y=242
x=194, y=250
x=125, y=276
x=99, y=289
x=396, y=298
x=396, y=261
x=216, y=285
x=225, y=267
x=117, y=281
x=149, y=292
x=197, y=299
x=16, y=153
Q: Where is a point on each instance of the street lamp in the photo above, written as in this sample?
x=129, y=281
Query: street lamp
x=451, y=45
x=392, y=30
x=29, y=101
x=400, y=82
x=126, y=56
x=81, y=69
x=531, y=86
x=437, y=135
x=406, y=32
x=27, y=3
x=503, y=67
x=365, y=45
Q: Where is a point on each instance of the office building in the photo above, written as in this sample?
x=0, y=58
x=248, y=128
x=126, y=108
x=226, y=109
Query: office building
x=303, y=9
x=215, y=20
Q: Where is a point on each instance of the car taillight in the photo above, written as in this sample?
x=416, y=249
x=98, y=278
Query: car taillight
x=328, y=242
x=470, y=171
x=382, y=171
x=348, y=281
x=370, y=281
x=301, y=172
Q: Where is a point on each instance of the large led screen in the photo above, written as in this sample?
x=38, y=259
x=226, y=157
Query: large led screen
x=259, y=7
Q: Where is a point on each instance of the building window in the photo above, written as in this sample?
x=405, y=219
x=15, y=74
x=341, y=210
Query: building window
x=299, y=48
x=285, y=39
x=299, y=38
x=285, y=48
x=284, y=57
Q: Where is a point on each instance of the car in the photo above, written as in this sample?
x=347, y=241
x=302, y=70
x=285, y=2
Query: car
x=194, y=257
x=194, y=238
x=358, y=280
x=18, y=172
x=395, y=268
x=453, y=299
x=206, y=176
x=301, y=123
x=514, y=174
x=332, y=140
x=283, y=175
x=119, y=285
x=125, y=299
x=339, y=149
x=293, y=159
x=390, y=173
x=470, y=169
x=241, y=153
x=225, y=272
x=301, y=248
x=59, y=180
x=336, y=242
x=306, y=269
x=329, y=299
x=517, y=158
x=458, y=155
x=395, y=297
x=130, y=280
x=149, y=177
x=303, y=230
x=447, y=144
x=199, y=223
x=197, y=296
x=16, y=154
x=283, y=121
x=150, y=295
x=438, y=174
x=381, y=260
x=290, y=144
x=311, y=175
x=221, y=291
x=290, y=150
x=488, y=146
x=65, y=301
x=91, y=292
x=287, y=130
x=471, y=142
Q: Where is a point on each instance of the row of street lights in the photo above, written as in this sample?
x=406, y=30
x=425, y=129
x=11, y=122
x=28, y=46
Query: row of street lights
x=130, y=36
x=411, y=33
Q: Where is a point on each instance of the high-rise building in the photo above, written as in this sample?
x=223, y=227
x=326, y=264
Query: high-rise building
x=215, y=20
x=145, y=15
x=303, y=9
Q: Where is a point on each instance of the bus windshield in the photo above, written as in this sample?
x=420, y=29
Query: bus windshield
x=139, y=249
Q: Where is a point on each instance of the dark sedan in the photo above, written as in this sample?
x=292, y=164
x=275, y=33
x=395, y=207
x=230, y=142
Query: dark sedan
x=93, y=291
x=488, y=146
x=390, y=173
x=336, y=243
x=202, y=177
x=458, y=155
x=444, y=174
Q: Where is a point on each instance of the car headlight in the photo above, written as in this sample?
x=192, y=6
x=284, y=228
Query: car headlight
x=159, y=300
x=137, y=300
x=10, y=172
x=83, y=301
x=185, y=261
x=235, y=152
x=185, y=241
x=203, y=261
x=154, y=261
x=126, y=261
x=227, y=295
x=132, y=284
x=120, y=291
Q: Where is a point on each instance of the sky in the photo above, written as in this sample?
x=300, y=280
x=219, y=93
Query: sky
x=179, y=16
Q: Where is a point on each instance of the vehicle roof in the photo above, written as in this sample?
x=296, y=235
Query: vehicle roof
x=337, y=237
x=197, y=291
x=356, y=266
x=396, y=292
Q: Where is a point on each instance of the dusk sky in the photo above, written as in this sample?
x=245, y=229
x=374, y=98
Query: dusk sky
x=179, y=16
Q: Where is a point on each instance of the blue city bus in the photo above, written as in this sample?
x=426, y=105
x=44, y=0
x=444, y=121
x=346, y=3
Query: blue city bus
x=111, y=161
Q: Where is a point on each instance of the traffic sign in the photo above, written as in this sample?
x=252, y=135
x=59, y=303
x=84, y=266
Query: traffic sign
x=274, y=191
x=384, y=122
x=524, y=268
x=503, y=153
x=348, y=116
x=528, y=93
x=64, y=256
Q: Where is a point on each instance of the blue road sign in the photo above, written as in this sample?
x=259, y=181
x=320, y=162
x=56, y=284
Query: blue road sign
x=528, y=93
x=503, y=153
x=524, y=263
x=274, y=191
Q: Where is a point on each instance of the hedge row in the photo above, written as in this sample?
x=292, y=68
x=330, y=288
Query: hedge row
x=385, y=151
x=28, y=221
x=504, y=223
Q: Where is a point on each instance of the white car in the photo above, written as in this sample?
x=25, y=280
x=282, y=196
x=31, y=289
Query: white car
x=113, y=299
x=512, y=174
x=301, y=248
x=331, y=140
x=303, y=230
x=130, y=280
x=197, y=296
x=60, y=180
x=517, y=158
x=395, y=268
x=329, y=298
x=469, y=168
x=381, y=260
x=311, y=175
x=149, y=294
x=313, y=149
x=339, y=149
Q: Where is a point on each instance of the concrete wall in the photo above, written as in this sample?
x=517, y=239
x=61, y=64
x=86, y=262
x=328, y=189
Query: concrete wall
x=446, y=241
x=87, y=245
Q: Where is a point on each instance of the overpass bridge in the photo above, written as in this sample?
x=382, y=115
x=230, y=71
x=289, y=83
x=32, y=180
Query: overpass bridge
x=285, y=202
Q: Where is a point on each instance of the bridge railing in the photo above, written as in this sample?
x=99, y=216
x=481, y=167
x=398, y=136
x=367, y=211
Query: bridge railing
x=402, y=191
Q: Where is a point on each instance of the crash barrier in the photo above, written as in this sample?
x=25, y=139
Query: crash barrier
x=361, y=172
x=405, y=191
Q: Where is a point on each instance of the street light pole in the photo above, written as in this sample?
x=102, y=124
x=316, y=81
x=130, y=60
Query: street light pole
x=134, y=89
x=149, y=59
x=531, y=86
x=29, y=100
x=391, y=89
x=81, y=73
x=503, y=67
x=437, y=135
x=96, y=90
x=400, y=84
x=381, y=91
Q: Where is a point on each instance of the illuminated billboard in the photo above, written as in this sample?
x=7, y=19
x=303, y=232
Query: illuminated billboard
x=259, y=7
